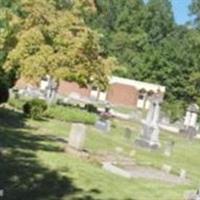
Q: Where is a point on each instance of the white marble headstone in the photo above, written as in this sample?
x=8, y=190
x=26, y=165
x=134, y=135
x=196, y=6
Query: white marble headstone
x=77, y=136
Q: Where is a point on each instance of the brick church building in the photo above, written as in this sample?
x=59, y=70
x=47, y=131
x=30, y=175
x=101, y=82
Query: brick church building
x=120, y=92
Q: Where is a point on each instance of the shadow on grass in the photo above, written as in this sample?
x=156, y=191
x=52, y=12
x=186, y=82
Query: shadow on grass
x=22, y=176
x=10, y=118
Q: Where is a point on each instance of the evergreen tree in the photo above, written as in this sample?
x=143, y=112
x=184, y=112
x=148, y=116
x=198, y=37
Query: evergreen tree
x=195, y=11
x=159, y=20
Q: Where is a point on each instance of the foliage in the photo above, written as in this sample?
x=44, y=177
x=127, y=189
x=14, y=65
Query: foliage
x=174, y=110
x=158, y=20
x=194, y=10
x=150, y=46
x=91, y=108
x=35, y=108
x=70, y=114
x=84, y=40
x=57, y=42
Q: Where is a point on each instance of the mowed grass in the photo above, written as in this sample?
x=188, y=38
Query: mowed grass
x=34, y=166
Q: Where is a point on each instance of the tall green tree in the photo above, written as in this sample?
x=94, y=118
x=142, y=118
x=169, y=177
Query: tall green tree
x=194, y=10
x=159, y=20
x=120, y=22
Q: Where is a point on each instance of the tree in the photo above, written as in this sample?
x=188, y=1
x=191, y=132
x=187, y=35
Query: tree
x=194, y=10
x=120, y=23
x=57, y=42
x=158, y=20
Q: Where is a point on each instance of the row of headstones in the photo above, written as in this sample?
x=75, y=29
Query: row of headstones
x=150, y=134
x=47, y=90
x=77, y=138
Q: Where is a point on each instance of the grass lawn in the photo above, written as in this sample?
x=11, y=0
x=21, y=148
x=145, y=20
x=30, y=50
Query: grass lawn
x=33, y=165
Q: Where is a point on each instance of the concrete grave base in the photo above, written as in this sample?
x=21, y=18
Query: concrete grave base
x=146, y=144
x=116, y=170
x=148, y=173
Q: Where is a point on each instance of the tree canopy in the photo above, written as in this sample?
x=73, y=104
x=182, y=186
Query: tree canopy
x=84, y=40
x=52, y=39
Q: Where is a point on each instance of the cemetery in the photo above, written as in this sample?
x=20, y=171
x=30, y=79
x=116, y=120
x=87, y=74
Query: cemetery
x=99, y=100
x=96, y=150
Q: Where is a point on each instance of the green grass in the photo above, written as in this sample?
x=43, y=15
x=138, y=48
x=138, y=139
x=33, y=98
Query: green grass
x=70, y=114
x=62, y=113
x=125, y=110
x=17, y=103
x=35, y=167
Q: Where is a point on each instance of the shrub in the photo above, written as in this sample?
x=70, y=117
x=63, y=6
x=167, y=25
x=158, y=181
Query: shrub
x=91, y=108
x=70, y=114
x=35, y=108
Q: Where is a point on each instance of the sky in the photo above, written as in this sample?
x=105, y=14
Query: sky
x=181, y=11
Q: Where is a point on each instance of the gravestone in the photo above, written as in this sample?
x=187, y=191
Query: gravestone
x=167, y=168
x=48, y=88
x=103, y=125
x=77, y=136
x=150, y=133
x=192, y=195
x=190, y=126
x=168, y=148
x=127, y=134
x=182, y=174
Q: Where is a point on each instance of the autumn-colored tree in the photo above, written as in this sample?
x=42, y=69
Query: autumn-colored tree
x=57, y=42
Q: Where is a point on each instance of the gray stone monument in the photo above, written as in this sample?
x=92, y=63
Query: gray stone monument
x=150, y=134
x=127, y=134
x=48, y=88
x=77, y=136
x=168, y=148
x=103, y=125
x=190, y=127
x=192, y=195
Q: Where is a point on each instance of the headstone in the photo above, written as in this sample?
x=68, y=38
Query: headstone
x=127, y=134
x=190, y=127
x=169, y=148
x=183, y=174
x=48, y=88
x=167, y=168
x=192, y=195
x=198, y=195
x=77, y=136
x=103, y=125
x=150, y=134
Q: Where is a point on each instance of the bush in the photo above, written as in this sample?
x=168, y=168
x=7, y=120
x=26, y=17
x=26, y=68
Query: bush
x=35, y=108
x=91, y=108
x=70, y=114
